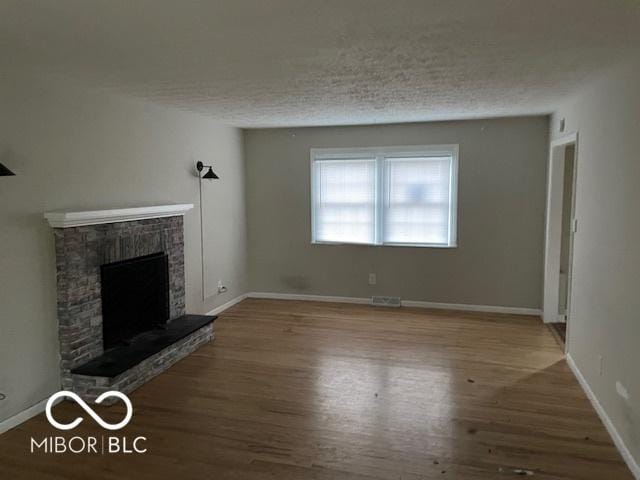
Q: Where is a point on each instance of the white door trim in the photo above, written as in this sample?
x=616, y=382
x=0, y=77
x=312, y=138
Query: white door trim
x=555, y=189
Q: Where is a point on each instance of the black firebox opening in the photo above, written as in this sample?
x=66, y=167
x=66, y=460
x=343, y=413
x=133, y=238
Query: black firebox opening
x=135, y=297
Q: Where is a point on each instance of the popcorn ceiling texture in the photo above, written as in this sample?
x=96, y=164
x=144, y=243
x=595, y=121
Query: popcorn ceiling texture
x=256, y=63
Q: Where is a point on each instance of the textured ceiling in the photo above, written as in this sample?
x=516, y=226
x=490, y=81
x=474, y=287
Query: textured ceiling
x=256, y=63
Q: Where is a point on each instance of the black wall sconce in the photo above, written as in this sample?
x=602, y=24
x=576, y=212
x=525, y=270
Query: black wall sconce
x=5, y=172
x=210, y=173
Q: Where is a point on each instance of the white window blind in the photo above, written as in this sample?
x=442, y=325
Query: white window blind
x=345, y=200
x=417, y=200
x=385, y=195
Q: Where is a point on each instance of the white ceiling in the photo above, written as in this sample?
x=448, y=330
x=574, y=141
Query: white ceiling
x=256, y=63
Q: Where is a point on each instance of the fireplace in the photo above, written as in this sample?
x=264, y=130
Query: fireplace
x=135, y=297
x=121, y=297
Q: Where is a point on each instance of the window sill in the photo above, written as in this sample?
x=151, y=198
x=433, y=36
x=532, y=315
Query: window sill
x=406, y=245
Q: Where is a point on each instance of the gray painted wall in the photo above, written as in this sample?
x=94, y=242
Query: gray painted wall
x=605, y=305
x=502, y=182
x=79, y=149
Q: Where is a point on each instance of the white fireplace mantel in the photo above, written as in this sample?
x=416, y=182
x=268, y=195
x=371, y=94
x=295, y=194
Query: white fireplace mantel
x=96, y=217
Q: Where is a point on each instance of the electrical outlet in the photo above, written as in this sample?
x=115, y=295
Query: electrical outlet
x=600, y=365
x=221, y=287
x=372, y=279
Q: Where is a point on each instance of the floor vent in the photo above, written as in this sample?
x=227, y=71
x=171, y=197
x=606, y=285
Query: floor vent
x=385, y=301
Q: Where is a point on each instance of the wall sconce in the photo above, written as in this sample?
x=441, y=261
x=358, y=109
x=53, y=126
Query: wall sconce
x=5, y=172
x=210, y=173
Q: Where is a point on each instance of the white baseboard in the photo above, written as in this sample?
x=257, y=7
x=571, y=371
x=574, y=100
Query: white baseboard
x=309, y=298
x=229, y=304
x=615, y=436
x=473, y=308
x=405, y=303
x=24, y=415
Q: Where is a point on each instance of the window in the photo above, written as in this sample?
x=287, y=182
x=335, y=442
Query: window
x=385, y=195
x=346, y=201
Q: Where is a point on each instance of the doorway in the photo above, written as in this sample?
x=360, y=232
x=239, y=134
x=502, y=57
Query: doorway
x=561, y=227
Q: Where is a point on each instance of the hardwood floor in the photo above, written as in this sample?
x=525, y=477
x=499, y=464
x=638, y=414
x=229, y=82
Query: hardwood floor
x=305, y=390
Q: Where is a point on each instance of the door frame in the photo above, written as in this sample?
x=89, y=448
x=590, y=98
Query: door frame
x=553, y=230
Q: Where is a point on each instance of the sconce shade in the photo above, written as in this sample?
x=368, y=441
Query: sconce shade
x=5, y=172
x=210, y=174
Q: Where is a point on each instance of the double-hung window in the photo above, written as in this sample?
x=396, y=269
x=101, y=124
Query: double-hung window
x=403, y=196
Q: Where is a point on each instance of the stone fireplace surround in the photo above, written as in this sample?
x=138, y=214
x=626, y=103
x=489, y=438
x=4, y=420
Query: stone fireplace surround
x=86, y=240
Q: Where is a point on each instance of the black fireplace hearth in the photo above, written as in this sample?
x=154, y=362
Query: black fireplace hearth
x=117, y=360
x=135, y=312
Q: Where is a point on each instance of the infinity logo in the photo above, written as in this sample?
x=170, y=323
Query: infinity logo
x=89, y=410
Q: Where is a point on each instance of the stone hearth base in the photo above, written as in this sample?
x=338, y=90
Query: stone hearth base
x=90, y=387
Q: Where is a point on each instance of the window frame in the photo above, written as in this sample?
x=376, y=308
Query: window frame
x=381, y=172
